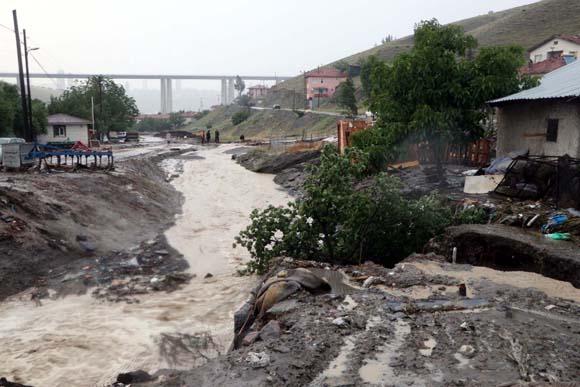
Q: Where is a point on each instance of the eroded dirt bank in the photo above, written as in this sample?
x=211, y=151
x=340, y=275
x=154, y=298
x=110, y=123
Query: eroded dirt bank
x=408, y=326
x=87, y=341
x=53, y=225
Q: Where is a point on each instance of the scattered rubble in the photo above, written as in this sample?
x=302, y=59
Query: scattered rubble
x=410, y=326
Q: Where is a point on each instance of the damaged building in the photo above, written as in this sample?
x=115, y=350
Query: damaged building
x=544, y=120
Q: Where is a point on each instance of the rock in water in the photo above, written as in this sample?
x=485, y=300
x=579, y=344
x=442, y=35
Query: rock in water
x=134, y=377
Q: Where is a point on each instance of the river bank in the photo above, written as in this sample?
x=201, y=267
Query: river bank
x=61, y=342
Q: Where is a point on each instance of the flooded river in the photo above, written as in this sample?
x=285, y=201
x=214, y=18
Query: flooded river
x=78, y=341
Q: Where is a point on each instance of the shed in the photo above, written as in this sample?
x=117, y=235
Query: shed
x=66, y=128
x=544, y=120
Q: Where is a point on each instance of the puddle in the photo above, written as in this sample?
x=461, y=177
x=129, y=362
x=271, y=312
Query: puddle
x=79, y=341
x=518, y=279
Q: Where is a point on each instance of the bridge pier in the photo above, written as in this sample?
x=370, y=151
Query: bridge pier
x=166, y=96
x=169, y=91
x=163, y=107
x=231, y=92
x=224, y=93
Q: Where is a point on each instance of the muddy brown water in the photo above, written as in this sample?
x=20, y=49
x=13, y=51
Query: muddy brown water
x=79, y=341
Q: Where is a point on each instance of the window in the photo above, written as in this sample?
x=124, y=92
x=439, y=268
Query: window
x=538, y=58
x=552, y=132
x=59, y=130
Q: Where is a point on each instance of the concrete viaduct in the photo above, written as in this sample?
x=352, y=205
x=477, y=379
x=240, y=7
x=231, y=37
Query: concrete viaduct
x=166, y=106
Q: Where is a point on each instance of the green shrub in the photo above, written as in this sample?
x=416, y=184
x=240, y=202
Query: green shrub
x=240, y=116
x=471, y=215
x=344, y=217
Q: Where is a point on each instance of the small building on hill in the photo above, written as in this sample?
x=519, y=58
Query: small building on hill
x=322, y=84
x=562, y=45
x=258, y=91
x=544, y=120
x=65, y=128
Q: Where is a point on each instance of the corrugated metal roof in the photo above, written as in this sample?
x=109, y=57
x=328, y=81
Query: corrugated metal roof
x=562, y=83
x=65, y=119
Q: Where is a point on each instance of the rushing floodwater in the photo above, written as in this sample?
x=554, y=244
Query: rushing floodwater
x=78, y=341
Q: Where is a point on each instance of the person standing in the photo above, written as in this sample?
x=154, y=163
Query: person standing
x=217, y=136
x=202, y=135
x=208, y=136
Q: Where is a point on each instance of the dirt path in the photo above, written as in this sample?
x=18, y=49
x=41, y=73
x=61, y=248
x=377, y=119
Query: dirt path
x=79, y=341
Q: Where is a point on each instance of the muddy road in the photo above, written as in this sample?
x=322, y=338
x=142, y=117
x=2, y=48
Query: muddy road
x=80, y=341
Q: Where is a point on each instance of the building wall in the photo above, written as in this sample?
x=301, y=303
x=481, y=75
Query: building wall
x=541, y=53
x=73, y=133
x=523, y=125
x=322, y=82
x=257, y=92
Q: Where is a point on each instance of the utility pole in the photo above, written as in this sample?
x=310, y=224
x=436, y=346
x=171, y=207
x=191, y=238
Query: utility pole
x=27, y=131
x=26, y=51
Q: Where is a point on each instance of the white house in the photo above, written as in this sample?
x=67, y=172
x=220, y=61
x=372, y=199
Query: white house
x=65, y=128
x=563, y=45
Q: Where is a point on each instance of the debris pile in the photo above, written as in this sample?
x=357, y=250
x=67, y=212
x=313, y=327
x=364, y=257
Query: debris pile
x=424, y=322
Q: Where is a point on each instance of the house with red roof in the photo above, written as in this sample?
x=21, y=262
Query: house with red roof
x=554, y=62
x=565, y=45
x=322, y=84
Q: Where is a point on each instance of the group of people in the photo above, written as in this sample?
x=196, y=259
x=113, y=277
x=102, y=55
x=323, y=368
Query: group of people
x=206, y=136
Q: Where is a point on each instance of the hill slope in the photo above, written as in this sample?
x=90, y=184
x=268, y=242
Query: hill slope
x=526, y=26
x=266, y=123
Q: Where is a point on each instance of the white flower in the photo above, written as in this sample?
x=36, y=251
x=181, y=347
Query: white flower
x=309, y=221
x=269, y=247
x=279, y=235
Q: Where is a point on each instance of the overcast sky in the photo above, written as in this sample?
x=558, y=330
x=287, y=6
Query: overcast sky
x=214, y=36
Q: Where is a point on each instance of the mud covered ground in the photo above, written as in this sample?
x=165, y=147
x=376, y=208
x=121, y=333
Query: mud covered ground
x=72, y=230
x=409, y=326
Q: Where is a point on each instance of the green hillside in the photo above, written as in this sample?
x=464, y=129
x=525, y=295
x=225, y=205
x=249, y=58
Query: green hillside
x=526, y=26
x=266, y=124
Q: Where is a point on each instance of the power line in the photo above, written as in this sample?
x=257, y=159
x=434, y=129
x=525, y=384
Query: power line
x=45, y=72
x=8, y=28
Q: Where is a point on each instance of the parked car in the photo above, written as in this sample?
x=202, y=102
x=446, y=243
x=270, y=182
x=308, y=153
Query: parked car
x=9, y=140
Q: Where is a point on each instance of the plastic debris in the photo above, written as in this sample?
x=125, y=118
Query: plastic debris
x=555, y=220
x=559, y=236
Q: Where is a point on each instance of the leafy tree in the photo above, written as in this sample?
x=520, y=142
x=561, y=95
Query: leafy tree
x=9, y=102
x=343, y=66
x=239, y=85
x=114, y=109
x=241, y=116
x=39, y=116
x=176, y=120
x=387, y=39
x=437, y=92
x=345, y=97
x=11, y=116
x=371, y=74
x=342, y=220
x=245, y=101
x=150, y=124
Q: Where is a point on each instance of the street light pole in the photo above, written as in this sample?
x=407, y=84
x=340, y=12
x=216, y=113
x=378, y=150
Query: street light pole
x=27, y=132
x=26, y=51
